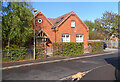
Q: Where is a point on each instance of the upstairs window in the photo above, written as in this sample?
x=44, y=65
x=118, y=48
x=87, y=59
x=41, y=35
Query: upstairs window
x=79, y=38
x=39, y=20
x=72, y=24
x=65, y=38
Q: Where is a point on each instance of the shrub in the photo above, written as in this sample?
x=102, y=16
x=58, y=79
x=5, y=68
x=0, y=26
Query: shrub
x=15, y=53
x=40, y=50
x=40, y=53
x=96, y=46
x=67, y=48
x=40, y=56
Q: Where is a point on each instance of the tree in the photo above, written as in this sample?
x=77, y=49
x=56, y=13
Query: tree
x=108, y=23
x=91, y=26
x=16, y=23
x=95, y=32
x=103, y=27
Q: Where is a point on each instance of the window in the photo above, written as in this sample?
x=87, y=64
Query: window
x=79, y=38
x=65, y=38
x=59, y=20
x=39, y=20
x=72, y=24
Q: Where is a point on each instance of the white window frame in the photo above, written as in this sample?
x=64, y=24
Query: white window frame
x=72, y=24
x=79, y=38
x=39, y=20
x=65, y=38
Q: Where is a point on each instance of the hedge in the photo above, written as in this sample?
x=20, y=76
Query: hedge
x=40, y=51
x=95, y=47
x=67, y=48
x=14, y=53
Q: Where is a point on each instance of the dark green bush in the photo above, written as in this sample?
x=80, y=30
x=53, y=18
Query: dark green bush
x=96, y=46
x=67, y=48
x=15, y=53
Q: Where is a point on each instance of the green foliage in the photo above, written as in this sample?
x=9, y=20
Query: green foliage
x=103, y=27
x=65, y=49
x=40, y=52
x=92, y=27
x=108, y=22
x=40, y=56
x=95, y=31
x=116, y=47
x=90, y=24
x=15, y=52
x=96, y=46
x=16, y=23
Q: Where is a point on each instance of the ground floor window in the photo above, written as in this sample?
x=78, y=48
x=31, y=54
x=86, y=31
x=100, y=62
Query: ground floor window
x=65, y=38
x=40, y=40
x=79, y=37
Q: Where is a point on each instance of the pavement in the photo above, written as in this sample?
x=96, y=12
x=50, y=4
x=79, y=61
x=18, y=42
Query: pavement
x=60, y=69
x=46, y=60
x=50, y=60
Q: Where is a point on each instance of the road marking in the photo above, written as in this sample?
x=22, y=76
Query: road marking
x=66, y=77
x=83, y=73
x=53, y=61
x=94, y=69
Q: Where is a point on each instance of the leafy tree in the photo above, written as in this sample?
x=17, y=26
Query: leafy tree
x=91, y=26
x=95, y=32
x=103, y=27
x=108, y=23
x=16, y=23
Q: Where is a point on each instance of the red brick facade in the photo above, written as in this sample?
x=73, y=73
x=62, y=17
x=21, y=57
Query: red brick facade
x=49, y=26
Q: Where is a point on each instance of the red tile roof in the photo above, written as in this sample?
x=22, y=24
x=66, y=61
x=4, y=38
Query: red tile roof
x=54, y=21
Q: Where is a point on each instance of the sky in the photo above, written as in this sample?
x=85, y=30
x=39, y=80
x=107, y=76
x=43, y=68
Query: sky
x=85, y=10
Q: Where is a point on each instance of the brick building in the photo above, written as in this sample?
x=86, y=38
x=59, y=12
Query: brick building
x=65, y=28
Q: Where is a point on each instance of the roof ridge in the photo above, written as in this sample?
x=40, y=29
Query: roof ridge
x=51, y=18
x=57, y=21
x=64, y=14
x=61, y=15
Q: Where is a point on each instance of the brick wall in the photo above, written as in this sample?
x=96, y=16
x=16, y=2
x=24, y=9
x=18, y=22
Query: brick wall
x=64, y=28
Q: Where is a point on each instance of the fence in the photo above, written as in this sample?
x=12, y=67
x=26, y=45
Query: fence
x=112, y=44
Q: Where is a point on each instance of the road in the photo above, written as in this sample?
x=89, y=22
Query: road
x=57, y=70
x=111, y=71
